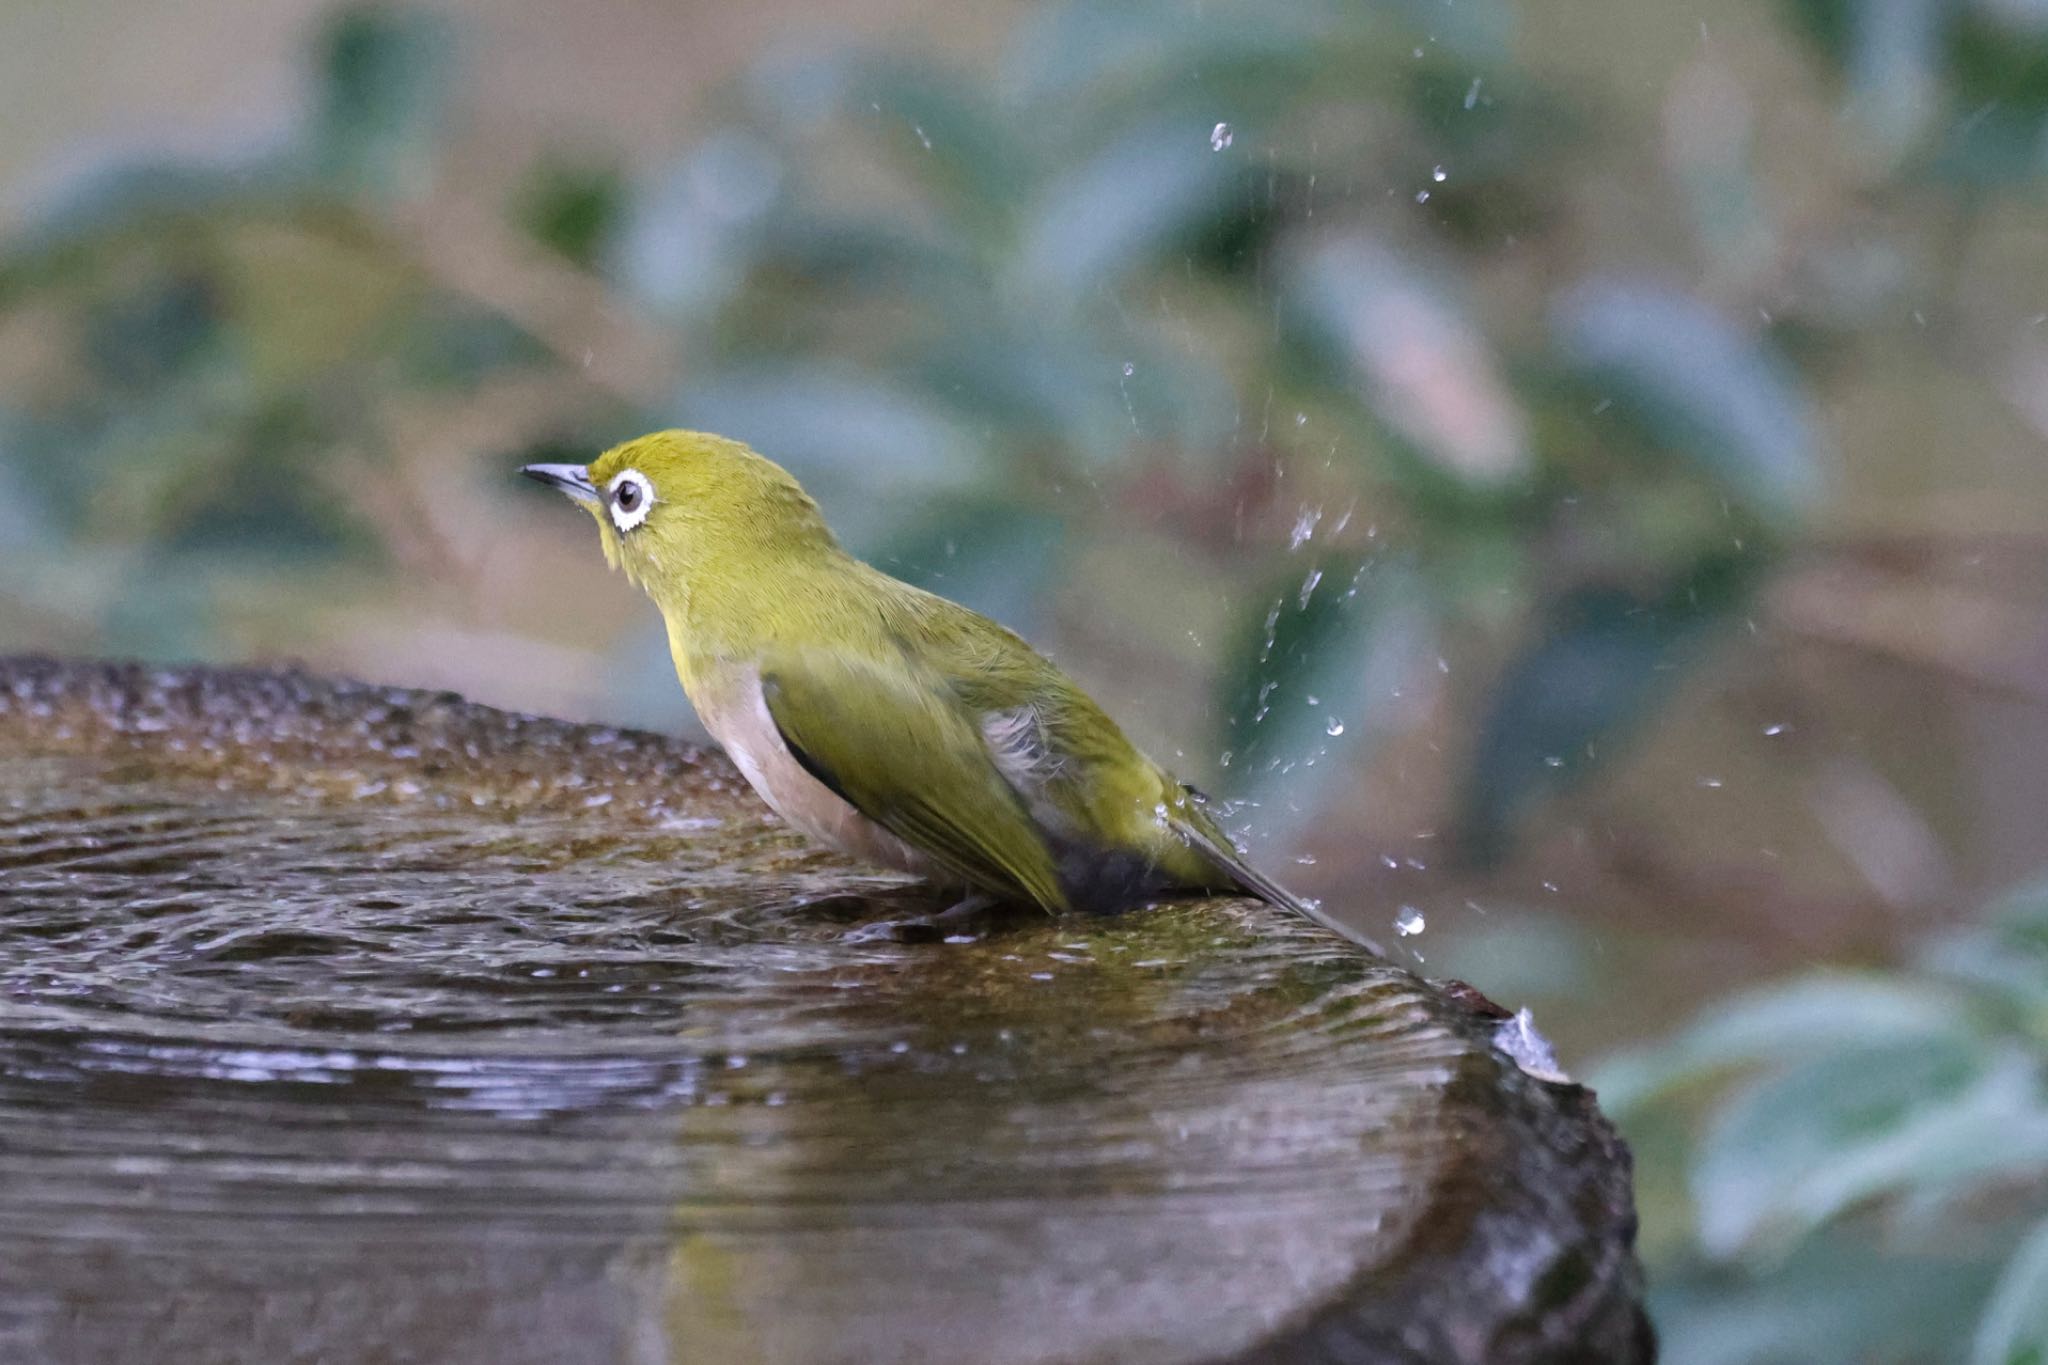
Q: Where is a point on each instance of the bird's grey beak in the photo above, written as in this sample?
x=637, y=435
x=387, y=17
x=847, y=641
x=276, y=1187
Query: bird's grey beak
x=572, y=479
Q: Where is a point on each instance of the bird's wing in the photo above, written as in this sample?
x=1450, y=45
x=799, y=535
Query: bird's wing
x=899, y=747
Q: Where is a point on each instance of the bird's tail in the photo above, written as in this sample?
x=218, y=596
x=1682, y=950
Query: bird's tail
x=1224, y=855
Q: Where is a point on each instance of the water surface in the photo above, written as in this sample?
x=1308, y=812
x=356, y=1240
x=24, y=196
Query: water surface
x=461, y=1037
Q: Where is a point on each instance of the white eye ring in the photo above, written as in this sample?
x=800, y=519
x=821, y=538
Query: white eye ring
x=628, y=498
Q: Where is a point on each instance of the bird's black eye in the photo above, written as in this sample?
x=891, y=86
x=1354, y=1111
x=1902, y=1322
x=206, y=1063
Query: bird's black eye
x=632, y=498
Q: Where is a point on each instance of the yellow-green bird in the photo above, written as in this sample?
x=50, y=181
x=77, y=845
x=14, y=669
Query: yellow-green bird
x=896, y=726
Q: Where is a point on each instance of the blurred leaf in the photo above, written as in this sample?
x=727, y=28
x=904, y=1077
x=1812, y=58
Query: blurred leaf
x=1894, y=60
x=1802, y=1146
x=145, y=335
x=1063, y=385
x=1171, y=397
x=1525, y=954
x=1147, y=193
x=572, y=208
x=384, y=74
x=1069, y=47
x=27, y=524
x=61, y=237
x=1427, y=371
x=1697, y=386
x=686, y=238
x=1981, y=65
x=951, y=139
x=1045, y=382
x=2014, y=1327
x=268, y=508
x=1319, y=668
x=165, y=609
x=1088, y=61
x=2007, y=954
x=1598, y=660
x=1839, y=1299
x=446, y=342
x=992, y=556
x=840, y=432
x=1998, y=52
x=823, y=264
x=1780, y=1023
x=2022, y=908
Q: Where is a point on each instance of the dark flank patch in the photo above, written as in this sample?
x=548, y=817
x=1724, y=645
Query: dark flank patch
x=771, y=687
x=1097, y=881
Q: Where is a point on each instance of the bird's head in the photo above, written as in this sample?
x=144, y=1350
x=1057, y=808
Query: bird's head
x=678, y=507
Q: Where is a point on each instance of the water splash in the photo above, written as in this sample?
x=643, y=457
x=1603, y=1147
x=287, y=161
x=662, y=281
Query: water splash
x=1308, y=586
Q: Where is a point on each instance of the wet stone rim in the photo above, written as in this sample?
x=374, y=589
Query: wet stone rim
x=1523, y=1249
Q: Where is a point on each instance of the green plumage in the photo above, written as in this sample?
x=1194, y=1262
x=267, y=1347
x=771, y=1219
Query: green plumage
x=931, y=722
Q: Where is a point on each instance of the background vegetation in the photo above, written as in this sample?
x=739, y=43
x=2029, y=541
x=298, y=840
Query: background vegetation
x=1576, y=473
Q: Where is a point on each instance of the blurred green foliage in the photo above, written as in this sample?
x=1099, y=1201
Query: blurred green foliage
x=1869, y=1175
x=1140, y=276
x=1302, y=288
x=1153, y=260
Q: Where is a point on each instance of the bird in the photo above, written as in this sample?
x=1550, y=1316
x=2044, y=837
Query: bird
x=891, y=724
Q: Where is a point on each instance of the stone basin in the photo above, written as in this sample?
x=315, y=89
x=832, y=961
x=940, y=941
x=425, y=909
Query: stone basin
x=348, y=1023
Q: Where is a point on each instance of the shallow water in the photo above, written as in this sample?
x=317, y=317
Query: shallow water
x=303, y=1059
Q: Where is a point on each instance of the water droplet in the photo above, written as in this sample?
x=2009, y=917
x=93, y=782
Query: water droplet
x=1129, y=369
x=1777, y=729
x=1334, y=728
x=1308, y=586
x=918, y=128
x=1553, y=761
x=1439, y=174
x=1472, y=93
x=1422, y=196
x=1304, y=527
x=1220, y=137
x=1409, y=922
x=1713, y=782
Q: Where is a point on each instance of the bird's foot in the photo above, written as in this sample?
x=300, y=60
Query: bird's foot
x=948, y=926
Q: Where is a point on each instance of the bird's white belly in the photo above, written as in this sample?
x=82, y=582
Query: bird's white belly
x=736, y=714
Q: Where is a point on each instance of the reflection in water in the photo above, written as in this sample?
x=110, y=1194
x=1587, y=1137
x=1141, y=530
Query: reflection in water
x=331, y=1070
